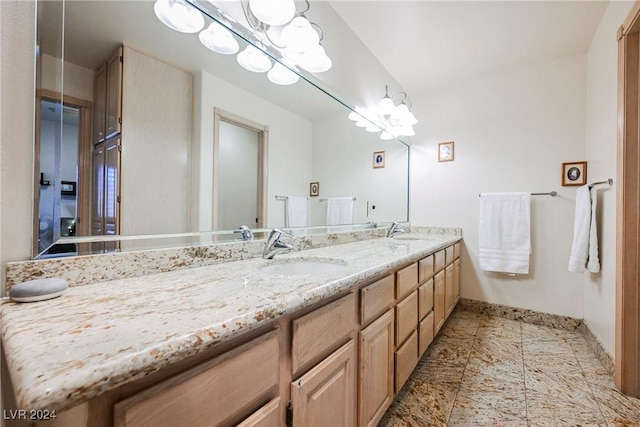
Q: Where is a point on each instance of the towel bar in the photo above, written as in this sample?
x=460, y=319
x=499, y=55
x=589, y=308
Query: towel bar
x=609, y=181
x=324, y=200
x=284, y=197
x=550, y=193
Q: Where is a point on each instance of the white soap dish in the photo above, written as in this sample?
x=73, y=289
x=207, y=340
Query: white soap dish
x=38, y=290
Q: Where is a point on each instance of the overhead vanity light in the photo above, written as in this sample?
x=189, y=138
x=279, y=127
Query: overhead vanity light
x=179, y=16
x=219, y=39
x=392, y=116
x=254, y=60
x=273, y=12
x=282, y=75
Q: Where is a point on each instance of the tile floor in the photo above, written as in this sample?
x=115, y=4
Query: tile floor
x=489, y=371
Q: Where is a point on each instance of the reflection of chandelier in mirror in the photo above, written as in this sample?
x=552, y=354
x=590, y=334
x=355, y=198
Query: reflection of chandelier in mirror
x=392, y=116
x=275, y=24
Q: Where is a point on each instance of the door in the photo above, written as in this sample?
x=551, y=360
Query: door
x=325, y=396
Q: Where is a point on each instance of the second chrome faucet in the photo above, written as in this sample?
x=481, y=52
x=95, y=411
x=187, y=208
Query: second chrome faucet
x=274, y=245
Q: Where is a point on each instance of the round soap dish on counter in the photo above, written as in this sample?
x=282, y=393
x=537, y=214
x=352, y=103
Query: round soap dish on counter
x=38, y=290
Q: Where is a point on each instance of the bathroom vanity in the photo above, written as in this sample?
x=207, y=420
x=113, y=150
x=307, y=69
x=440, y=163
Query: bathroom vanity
x=249, y=342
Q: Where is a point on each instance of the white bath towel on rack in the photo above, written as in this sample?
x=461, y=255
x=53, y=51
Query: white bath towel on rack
x=505, y=232
x=296, y=212
x=584, y=249
x=339, y=210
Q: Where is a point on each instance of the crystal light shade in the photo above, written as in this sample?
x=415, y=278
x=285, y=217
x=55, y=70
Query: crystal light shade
x=282, y=75
x=273, y=12
x=179, y=16
x=254, y=60
x=219, y=39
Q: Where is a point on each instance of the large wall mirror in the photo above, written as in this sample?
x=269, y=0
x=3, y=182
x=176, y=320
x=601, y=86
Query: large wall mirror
x=144, y=133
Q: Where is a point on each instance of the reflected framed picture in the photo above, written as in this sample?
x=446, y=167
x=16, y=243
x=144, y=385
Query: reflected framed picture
x=378, y=159
x=68, y=188
x=574, y=173
x=445, y=151
x=314, y=189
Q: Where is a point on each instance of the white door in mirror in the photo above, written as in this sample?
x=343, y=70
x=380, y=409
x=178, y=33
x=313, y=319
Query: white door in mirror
x=38, y=290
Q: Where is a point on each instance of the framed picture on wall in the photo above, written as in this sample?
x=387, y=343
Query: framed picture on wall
x=378, y=159
x=68, y=188
x=574, y=173
x=445, y=151
x=314, y=189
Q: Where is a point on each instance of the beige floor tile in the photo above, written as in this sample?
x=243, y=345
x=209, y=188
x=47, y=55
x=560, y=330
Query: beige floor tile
x=549, y=410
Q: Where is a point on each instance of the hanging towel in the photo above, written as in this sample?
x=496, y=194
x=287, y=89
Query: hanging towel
x=585, y=236
x=339, y=210
x=296, y=212
x=505, y=232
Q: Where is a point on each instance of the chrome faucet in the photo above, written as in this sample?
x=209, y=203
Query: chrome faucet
x=274, y=246
x=246, y=233
x=395, y=229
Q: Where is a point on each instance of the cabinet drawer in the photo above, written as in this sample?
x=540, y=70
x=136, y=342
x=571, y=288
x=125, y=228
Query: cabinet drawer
x=426, y=333
x=438, y=261
x=406, y=360
x=449, y=294
x=425, y=299
x=406, y=280
x=376, y=298
x=215, y=393
x=267, y=416
x=456, y=250
x=448, y=255
x=322, y=330
x=406, y=317
x=425, y=268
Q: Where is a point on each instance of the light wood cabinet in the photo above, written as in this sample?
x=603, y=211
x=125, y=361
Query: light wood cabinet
x=326, y=395
x=425, y=269
x=456, y=281
x=406, y=317
x=425, y=299
x=438, y=261
x=100, y=104
x=267, y=416
x=448, y=251
x=113, y=114
x=406, y=360
x=425, y=334
x=406, y=280
x=105, y=206
x=456, y=250
x=449, y=294
x=376, y=298
x=318, y=332
x=215, y=393
x=375, y=383
x=438, y=302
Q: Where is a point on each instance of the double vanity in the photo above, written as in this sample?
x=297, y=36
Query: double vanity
x=323, y=336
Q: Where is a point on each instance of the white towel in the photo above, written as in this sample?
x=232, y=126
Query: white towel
x=585, y=235
x=296, y=212
x=339, y=210
x=505, y=232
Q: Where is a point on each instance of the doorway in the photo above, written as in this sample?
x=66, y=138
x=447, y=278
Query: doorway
x=239, y=172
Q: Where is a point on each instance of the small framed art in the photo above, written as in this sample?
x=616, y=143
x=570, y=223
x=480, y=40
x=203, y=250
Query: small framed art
x=445, y=151
x=574, y=173
x=314, y=189
x=378, y=159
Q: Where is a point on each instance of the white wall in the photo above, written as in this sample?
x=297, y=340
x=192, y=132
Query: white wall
x=512, y=131
x=78, y=81
x=601, y=146
x=289, y=147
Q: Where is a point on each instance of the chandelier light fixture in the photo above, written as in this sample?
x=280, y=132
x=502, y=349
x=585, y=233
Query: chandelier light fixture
x=275, y=26
x=392, y=116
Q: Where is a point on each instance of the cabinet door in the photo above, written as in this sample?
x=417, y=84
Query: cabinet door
x=114, y=94
x=267, y=416
x=99, y=104
x=326, y=395
x=449, y=293
x=406, y=360
x=406, y=280
x=425, y=299
x=97, y=192
x=456, y=281
x=376, y=370
x=438, y=302
x=406, y=317
x=426, y=334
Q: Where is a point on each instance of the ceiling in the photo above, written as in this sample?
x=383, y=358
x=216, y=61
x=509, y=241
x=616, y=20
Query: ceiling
x=429, y=44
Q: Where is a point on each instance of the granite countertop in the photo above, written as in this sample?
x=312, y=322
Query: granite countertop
x=97, y=337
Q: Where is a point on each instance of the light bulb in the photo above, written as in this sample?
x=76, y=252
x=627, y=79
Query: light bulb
x=179, y=15
x=315, y=60
x=402, y=116
x=386, y=106
x=273, y=12
x=299, y=36
x=219, y=39
x=282, y=75
x=254, y=60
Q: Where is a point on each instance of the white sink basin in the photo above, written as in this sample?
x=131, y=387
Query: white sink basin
x=300, y=266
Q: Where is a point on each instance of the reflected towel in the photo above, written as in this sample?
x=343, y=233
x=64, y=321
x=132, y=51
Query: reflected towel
x=505, y=232
x=339, y=210
x=585, y=236
x=296, y=212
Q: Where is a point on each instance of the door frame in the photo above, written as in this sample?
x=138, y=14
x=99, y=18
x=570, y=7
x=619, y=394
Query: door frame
x=83, y=186
x=627, y=334
x=263, y=144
